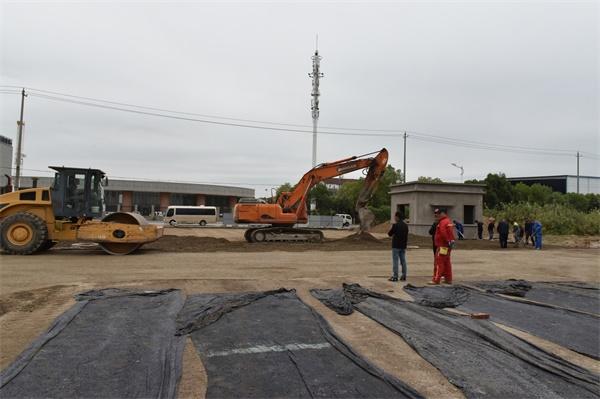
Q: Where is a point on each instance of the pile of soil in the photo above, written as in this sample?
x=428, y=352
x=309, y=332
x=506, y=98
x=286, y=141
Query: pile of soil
x=360, y=236
x=381, y=228
x=355, y=242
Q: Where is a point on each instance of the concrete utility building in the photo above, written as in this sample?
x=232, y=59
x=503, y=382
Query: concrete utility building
x=149, y=196
x=417, y=201
x=562, y=184
x=6, y=153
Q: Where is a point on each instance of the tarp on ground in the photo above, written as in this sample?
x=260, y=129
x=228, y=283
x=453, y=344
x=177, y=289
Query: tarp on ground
x=270, y=344
x=481, y=359
x=582, y=297
x=111, y=344
x=579, y=332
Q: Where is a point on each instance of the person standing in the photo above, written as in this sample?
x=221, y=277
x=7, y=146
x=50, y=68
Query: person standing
x=517, y=233
x=444, y=241
x=399, y=234
x=479, y=229
x=536, y=230
x=432, y=234
x=491, y=226
x=528, y=232
x=503, y=229
x=460, y=230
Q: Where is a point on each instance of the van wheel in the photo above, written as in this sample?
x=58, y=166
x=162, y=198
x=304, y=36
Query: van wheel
x=173, y=223
x=22, y=233
x=203, y=223
x=346, y=224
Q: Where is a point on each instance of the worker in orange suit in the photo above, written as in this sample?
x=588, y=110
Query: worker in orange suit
x=444, y=241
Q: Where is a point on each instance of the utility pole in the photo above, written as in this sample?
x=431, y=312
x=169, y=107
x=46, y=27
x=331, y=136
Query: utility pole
x=314, y=106
x=19, y=160
x=578, y=156
x=404, y=167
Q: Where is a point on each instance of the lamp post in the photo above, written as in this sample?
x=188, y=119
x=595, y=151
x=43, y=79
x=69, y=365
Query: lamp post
x=462, y=170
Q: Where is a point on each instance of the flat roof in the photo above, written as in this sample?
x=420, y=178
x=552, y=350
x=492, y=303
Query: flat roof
x=551, y=177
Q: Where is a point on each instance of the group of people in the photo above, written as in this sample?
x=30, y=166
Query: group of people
x=442, y=232
x=532, y=230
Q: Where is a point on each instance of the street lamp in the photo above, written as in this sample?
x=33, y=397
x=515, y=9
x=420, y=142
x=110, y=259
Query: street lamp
x=462, y=170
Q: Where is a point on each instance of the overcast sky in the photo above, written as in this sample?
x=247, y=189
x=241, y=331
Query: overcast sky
x=512, y=73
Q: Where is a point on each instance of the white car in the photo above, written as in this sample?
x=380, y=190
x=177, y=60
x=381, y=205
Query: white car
x=346, y=219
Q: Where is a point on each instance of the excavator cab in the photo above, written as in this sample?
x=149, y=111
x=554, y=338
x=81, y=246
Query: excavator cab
x=77, y=193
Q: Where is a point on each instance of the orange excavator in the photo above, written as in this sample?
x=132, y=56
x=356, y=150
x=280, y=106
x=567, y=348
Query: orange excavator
x=291, y=207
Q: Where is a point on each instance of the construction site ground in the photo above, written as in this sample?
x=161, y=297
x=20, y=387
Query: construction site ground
x=35, y=289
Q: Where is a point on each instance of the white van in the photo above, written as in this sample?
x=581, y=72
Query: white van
x=191, y=215
x=346, y=219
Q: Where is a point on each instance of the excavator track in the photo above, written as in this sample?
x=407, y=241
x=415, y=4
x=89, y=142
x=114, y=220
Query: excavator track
x=283, y=234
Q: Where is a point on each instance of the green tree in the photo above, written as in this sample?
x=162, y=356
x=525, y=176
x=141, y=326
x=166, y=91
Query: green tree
x=427, y=179
x=324, y=198
x=540, y=194
x=345, y=198
x=498, y=190
x=284, y=187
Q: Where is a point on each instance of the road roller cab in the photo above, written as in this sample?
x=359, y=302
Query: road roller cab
x=78, y=193
x=33, y=220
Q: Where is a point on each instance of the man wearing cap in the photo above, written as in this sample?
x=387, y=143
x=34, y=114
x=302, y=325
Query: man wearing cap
x=444, y=241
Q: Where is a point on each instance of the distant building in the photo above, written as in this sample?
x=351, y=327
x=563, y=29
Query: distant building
x=417, y=202
x=6, y=153
x=147, y=197
x=563, y=184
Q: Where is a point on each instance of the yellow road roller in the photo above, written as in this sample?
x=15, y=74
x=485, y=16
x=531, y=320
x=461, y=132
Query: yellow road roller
x=72, y=209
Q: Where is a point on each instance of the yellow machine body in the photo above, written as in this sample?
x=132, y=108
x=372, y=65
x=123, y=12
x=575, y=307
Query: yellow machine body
x=118, y=233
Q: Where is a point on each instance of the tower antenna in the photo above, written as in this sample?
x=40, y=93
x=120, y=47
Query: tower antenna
x=316, y=74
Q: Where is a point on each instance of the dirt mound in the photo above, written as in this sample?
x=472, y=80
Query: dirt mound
x=381, y=228
x=360, y=236
x=190, y=244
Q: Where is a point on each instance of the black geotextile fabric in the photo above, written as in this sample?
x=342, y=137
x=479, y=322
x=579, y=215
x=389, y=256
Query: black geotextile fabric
x=475, y=355
x=111, y=344
x=270, y=344
x=582, y=297
x=577, y=331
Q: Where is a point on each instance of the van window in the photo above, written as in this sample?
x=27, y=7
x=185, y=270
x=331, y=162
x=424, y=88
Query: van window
x=170, y=212
x=196, y=211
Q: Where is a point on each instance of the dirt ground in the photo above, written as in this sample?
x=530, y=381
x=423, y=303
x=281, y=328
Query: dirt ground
x=36, y=289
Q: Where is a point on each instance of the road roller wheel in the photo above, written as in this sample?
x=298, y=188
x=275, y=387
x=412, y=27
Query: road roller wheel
x=122, y=248
x=22, y=233
x=118, y=248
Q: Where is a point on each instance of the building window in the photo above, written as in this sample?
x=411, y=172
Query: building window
x=182, y=199
x=219, y=201
x=404, y=210
x=469, y=214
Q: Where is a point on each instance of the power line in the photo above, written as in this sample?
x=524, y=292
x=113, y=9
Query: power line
x=285, y=130
x=392, y=132
x=382, y=132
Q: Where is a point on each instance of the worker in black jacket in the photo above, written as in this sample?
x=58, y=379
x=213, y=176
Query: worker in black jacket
x=399, y=234
x=503, y=229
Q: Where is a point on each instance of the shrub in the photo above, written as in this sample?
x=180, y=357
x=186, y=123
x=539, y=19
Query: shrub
x=555, y=218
